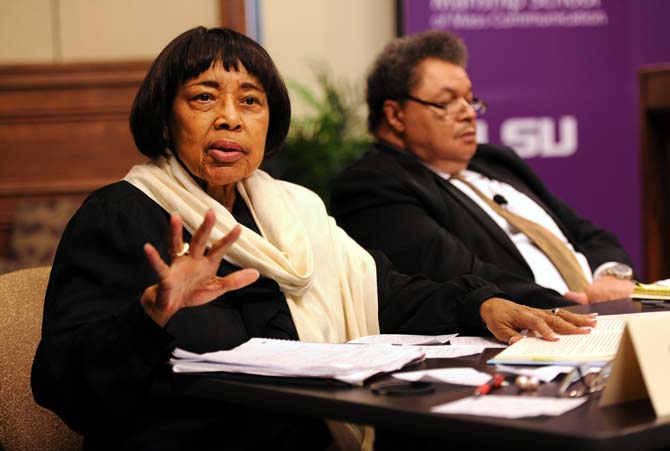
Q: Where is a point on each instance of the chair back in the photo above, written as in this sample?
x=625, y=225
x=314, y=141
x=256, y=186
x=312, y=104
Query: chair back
x=23, y=424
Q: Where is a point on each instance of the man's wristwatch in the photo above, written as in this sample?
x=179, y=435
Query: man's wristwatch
x=620, y=271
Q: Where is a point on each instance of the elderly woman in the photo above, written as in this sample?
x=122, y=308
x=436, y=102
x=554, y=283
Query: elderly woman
x=154, y=262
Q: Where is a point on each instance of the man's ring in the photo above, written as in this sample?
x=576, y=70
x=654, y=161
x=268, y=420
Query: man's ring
x=183, y=251
x=554, y=311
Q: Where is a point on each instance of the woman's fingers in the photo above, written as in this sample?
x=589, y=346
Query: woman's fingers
x=565, y=322
x=219, y=248
x=505, y=333
x=191, y=280
x=505, y=319
x=156, y=262
x=534, y=320
x=583, y=320
x=176, y=242
x=201, y=236
x=238, y=279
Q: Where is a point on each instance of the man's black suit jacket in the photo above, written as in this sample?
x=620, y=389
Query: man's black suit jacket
x=388, y=200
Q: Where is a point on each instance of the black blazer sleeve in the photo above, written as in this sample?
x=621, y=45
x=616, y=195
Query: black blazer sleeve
x=417, y=305
x=100, y=352
x=101, y=362
x=99, y=349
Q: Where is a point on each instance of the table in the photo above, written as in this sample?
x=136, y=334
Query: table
x=627, y=426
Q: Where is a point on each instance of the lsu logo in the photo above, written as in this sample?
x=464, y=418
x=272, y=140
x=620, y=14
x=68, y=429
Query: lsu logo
x=536, y=136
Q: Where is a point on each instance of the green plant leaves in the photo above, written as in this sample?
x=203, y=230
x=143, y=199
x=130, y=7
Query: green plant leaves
x=324, y=142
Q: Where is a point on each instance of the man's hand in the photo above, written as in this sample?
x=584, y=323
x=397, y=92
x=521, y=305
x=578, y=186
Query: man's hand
x=505, y=319
x=607, y=288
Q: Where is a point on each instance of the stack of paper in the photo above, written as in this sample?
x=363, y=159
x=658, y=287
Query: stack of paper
x=344, y=362
x=657, y=290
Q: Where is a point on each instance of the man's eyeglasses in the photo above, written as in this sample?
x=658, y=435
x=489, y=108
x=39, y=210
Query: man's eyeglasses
x=451, y=107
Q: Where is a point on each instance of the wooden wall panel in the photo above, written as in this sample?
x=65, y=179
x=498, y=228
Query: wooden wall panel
x=63, y=131
x=655, y=164
x=233, y=15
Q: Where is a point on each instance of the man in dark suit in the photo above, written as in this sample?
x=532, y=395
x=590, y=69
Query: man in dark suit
x=430, y=197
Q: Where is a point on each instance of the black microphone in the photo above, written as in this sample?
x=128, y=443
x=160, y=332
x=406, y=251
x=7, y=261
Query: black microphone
x=500, y=200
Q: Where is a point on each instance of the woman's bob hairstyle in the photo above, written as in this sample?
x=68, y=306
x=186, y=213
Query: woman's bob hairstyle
x=186, y=57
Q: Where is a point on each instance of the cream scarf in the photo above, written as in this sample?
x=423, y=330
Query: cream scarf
x=329, y=281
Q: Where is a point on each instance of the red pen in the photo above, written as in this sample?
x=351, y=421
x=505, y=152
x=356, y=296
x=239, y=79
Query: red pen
x=495, y=382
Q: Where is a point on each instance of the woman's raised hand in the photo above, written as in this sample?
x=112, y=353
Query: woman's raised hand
x=505, y=319
x=190, y=279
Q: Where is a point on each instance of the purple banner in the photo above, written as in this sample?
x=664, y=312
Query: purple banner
x=560, y=77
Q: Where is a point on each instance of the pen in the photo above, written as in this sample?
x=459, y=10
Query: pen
x=495, y=382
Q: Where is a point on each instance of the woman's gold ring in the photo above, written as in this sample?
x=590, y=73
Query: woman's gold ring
x=183, y=251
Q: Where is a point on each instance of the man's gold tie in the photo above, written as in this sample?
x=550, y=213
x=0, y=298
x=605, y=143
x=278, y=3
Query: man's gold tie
x=555, y=249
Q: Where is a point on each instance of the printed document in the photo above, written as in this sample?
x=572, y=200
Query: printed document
x=597, y=348
x=509, y=406
x=261, y=356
